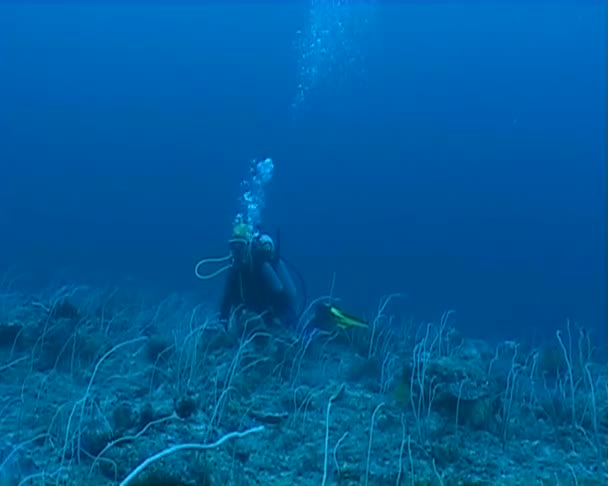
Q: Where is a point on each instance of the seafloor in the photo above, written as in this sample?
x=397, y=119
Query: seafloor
x=93, y=382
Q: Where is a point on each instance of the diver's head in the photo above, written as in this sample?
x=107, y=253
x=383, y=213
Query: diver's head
x=240, y=242
x=241, y=230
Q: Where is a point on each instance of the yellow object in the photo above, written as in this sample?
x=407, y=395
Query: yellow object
x=345, y=321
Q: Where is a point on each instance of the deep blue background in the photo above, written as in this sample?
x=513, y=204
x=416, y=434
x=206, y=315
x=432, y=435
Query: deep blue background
x=465, y=168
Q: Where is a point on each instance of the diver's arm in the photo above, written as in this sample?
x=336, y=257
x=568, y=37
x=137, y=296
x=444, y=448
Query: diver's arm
x=271, y=280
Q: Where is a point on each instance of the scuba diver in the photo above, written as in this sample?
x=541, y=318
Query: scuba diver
x=257, y=278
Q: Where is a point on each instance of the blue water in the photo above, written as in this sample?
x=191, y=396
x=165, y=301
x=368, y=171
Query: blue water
x=451, y=151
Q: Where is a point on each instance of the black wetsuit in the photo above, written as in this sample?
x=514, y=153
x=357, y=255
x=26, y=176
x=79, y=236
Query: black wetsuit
x=260, y=286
